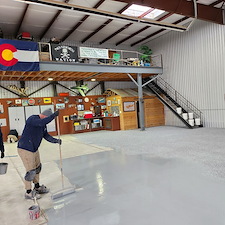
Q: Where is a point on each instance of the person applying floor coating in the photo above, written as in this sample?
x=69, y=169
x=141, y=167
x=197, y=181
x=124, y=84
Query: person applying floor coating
x=34, y=131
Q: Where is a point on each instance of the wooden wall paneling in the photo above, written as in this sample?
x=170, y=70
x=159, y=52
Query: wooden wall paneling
x=65, y=127
x=154, y=112
x=129, y=120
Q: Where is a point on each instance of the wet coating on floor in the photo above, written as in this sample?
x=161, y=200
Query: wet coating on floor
x=161, y=176
x=137, y=189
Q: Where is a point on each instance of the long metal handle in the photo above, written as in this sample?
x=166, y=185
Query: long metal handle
x=60, y=151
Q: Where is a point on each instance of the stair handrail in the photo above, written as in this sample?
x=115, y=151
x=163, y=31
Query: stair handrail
x=180, y=99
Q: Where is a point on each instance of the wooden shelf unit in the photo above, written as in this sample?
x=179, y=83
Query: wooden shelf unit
x=88, y=124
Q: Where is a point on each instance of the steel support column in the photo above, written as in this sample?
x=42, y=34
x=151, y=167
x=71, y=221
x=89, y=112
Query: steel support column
x=141, y=102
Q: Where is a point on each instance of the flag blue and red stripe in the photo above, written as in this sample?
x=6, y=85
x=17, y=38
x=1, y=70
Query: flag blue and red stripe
x=18, y=55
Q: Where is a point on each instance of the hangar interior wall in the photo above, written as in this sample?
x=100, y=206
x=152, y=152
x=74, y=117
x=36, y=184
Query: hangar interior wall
x=193, y=63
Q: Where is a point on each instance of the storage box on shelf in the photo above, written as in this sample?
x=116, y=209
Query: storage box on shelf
x=88, y=124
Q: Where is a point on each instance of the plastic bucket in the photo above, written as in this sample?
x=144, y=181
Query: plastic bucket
x=185, y=116
x=197, y=121
x=191, y=122
x=179, y=110
x=191, y=115
x=3, y=168
x=34, y=212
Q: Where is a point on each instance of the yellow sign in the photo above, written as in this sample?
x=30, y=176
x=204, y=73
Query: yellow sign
x=47, y=100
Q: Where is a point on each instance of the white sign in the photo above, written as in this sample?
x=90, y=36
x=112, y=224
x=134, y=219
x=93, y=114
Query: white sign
x=98, y=53
x=2, y=122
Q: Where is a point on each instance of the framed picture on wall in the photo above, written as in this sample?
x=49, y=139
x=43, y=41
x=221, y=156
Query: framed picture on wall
x=80, y=107
x=108, y=102
x=128, y=106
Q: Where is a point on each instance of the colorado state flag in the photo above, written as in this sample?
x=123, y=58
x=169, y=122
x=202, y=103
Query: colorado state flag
x=18, y=55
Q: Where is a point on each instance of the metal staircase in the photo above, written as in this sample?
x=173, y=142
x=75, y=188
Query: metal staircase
x=180, y=106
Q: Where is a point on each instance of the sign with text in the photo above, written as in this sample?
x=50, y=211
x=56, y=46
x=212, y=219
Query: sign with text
x=64, y=53
x=96, y=53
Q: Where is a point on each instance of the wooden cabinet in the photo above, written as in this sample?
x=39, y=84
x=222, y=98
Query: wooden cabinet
x=88, y=124
x=111, y=123
x=51, y=127
x=18, y=116
x=16, y=119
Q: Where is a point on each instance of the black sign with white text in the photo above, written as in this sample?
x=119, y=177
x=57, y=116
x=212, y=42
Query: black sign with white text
x=64, y=53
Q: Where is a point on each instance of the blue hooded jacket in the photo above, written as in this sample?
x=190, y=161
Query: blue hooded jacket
x=35, y=129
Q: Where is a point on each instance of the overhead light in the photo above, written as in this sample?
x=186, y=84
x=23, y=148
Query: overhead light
x=50, y=78
x=93, y=79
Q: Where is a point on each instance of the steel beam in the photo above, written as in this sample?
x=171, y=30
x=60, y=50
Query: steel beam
x=63, y=66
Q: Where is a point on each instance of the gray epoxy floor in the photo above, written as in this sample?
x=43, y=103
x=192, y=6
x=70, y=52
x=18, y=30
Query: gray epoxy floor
x=161, y=176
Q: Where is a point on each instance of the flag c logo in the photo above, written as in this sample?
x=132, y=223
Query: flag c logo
x=7, y=56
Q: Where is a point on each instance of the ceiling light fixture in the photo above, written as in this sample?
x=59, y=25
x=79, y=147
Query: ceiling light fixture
x=50, y=78
x=93, y=79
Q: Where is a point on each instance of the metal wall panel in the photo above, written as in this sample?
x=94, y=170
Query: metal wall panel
x=48, y=91
x=6, y=94
x=35, y=85
x=194, y=65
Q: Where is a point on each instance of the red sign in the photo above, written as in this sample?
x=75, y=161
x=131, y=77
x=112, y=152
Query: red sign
x=31, y=101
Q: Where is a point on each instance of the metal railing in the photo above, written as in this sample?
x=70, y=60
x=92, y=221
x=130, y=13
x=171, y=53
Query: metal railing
x=126, y=58
x=178, y=98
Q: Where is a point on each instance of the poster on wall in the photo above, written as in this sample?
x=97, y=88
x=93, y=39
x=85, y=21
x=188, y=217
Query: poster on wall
x=128, y=106
x=95, y=53
x=64, y=53
x=60, y=106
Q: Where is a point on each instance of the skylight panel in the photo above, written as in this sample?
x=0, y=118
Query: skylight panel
x=136, y=10
x=154, y=14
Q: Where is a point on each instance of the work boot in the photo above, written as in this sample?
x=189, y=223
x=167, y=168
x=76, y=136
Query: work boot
x=32, y=195
x=42, y=190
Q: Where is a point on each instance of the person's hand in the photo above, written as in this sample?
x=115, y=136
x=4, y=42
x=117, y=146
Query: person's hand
x=59, y=141
x=56, y=113
x=2, y=155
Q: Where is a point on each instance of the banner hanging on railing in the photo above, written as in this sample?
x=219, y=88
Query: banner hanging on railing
x=18, y=55
x=64, y=53
x=96, y=53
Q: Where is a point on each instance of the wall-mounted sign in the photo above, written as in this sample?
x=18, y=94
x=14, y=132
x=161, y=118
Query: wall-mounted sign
x=47, y=100
x=97, y=53
x=64, y=53
x=3, y=122
x=128, y=106
x=1, y=108
x=60, y=106
x=24, y=102
x=31, y=101
x=101, y=99
x=18, y=101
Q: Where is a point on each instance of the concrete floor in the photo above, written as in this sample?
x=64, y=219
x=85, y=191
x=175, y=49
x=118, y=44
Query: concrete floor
x=161, y=176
